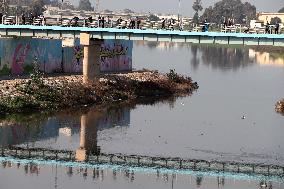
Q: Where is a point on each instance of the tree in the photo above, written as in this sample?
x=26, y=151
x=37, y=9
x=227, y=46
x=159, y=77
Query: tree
x=242, y=13
x=67, y=5
x=3, y=7
x=195, y=18
x=196, y=7
x=128, y=11
x=153, y=17
x=275, y=20
x=37, y=7
x=281, y=10
x=85, y=5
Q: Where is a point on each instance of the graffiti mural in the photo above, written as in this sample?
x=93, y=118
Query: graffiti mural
x=19, y=58
x=18, y=55
x=116, y=55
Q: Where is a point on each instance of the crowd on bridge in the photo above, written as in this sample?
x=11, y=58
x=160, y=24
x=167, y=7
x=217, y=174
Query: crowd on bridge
x=132, y=23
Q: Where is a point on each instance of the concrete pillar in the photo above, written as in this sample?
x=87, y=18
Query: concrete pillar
x=88, y=134
x=91, y=61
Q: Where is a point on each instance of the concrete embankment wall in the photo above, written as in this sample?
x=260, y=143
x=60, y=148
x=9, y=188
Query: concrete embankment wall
x=18, y=55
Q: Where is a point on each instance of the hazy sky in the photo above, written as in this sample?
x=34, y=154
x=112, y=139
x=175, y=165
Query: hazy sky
x=171, y=6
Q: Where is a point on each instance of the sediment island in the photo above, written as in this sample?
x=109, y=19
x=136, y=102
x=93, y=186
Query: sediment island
x=41, y=92
x=279, y=107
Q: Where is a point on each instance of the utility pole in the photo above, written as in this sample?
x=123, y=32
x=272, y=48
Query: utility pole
x=97, y=6
x=179, y=4
x=61, y=12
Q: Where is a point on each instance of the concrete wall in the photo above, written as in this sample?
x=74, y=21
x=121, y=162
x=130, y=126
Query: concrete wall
x=17, y=56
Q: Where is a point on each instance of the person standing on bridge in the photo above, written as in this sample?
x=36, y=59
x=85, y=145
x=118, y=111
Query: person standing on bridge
x=277, y=28
x=108, y=22
x=23, y=19
x=103, y=22
x=267, y=27
x=99, y=21
x=1, y=16
x=138, y=21
x=90, y=19
x=163, y=23
x=119, y=21
x=132, y=23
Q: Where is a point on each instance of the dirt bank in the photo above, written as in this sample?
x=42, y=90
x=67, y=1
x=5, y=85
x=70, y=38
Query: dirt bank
x=42, y=93
x=279, y=107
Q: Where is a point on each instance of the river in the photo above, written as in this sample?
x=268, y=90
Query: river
x=231, y=117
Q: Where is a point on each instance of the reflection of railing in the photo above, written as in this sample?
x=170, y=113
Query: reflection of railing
x=145, y=161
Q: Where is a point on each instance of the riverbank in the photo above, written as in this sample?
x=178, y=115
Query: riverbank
x=51, y=93
x=279, y=107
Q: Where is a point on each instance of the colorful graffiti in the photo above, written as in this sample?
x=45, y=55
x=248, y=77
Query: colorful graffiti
x=78, y=58
x=116, y=56
x=17, y=56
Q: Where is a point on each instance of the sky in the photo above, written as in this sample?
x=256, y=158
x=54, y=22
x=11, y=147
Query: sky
x=171, y=6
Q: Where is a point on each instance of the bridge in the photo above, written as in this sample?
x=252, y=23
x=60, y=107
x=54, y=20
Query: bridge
x=142, y=161
x=138, y=34
x=92, y=39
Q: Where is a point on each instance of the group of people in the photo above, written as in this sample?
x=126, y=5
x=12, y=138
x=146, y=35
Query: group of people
x=269, y=28
x=24, y=19
x=169, y=23
x=30, y=19
x=229, y=22
x=134, y=23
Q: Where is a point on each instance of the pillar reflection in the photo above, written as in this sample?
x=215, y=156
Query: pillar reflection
x=88, y=134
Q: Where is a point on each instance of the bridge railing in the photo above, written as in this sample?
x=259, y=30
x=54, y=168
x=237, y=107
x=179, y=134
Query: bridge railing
x=145, y=161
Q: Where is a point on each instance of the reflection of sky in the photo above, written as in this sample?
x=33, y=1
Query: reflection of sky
x=208, y=124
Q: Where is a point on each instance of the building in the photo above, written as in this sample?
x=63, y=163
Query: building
x=266, y=16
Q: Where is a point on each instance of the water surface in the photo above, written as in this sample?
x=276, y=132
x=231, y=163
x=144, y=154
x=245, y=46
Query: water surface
x=231, y=117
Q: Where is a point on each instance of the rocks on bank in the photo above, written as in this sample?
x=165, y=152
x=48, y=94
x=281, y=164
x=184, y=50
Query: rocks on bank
x=42, y=93
x=279, y=107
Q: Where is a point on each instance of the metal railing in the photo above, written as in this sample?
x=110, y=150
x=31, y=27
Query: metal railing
x=144, y=161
